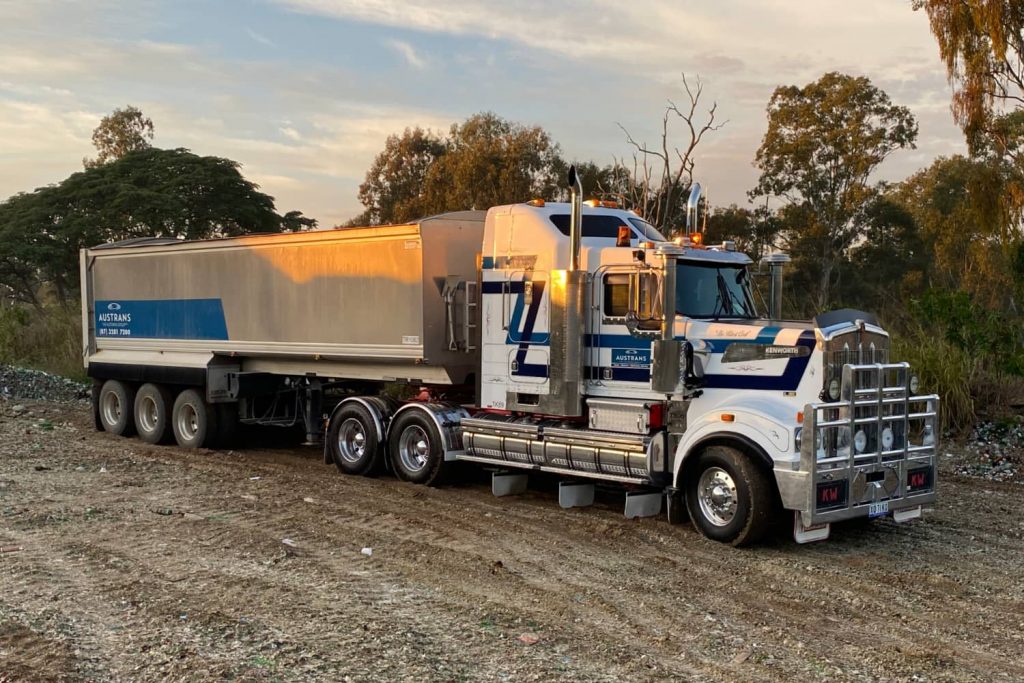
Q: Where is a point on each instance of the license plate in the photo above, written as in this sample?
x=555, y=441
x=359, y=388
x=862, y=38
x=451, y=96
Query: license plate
x=878, y=509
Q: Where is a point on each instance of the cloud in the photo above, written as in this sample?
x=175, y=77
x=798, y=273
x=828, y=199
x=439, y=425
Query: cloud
x=408, y=53
x=260, y=38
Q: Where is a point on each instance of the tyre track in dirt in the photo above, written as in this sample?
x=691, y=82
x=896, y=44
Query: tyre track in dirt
x=457, y=575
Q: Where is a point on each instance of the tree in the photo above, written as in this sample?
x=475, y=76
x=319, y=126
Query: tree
x=484, y=161
x=146, y=193
x=823, y=142
x=754, y=232
x=489, y=161
x=395, y=185
x=955, y=205
x=656, y=182
x=982, y=44
x=120, y=132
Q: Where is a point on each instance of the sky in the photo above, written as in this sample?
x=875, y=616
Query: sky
x=303, y=93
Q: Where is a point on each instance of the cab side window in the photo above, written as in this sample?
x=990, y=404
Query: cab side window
x=616, y=295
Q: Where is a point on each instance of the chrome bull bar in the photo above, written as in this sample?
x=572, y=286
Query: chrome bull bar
x=872, y=452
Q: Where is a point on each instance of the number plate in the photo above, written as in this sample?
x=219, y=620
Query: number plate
x=878, y=509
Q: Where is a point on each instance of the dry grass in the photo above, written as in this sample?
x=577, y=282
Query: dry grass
x=49, y=339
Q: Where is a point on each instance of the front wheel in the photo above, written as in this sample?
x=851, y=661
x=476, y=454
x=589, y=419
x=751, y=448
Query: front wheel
x=414, y=446
x=728, y=497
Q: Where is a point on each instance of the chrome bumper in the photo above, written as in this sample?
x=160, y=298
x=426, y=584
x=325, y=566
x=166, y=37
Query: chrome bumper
x=873, y=450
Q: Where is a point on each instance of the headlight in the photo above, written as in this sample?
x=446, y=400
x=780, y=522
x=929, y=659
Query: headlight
x=833, y=389
x=915, y=384
x=887, y=438
x=860, y=441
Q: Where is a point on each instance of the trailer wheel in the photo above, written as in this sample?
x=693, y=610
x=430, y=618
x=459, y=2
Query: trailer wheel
x=729, y=498
x=353, y=443
x=414, y=445
x=153, y=404
x=194, y=420
x=116, y=401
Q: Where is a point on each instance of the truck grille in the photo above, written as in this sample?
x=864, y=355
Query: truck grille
x=855, y=348
x=876, y=444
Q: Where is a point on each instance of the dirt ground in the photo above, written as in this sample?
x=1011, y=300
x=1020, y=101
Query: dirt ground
x=122, y=561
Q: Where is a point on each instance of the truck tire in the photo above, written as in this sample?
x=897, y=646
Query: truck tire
x=153, y=404
x=194, y=420
x=414, y=445
x=730, y=499
x=116, y=405
x=353, y=443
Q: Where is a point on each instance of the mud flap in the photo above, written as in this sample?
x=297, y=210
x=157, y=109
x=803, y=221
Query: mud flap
x=809, y=534
x=907, y=514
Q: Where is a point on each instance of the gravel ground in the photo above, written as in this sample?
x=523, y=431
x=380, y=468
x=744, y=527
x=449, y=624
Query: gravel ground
x=122, y=561
x=20, y=384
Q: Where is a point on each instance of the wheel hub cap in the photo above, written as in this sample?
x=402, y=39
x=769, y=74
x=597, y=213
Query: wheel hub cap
x=351, y=440
x=716, y=494
x=414, y=448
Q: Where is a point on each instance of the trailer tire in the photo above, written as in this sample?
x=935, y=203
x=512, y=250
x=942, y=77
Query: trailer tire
x=153, y=404
x=116, y=407
x=194, y=420
x=415, y=448
x=353, y=443
x=729, y=498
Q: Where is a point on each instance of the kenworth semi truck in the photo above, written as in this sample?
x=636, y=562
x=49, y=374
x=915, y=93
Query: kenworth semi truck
x=569, y=338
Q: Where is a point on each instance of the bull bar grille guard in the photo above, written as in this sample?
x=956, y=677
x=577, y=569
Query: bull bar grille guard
x=876, y=445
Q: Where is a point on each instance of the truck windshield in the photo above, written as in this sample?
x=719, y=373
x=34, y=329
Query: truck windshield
x=713, y=290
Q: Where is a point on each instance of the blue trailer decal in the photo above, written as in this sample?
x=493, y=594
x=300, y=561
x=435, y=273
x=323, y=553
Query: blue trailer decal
x=161, y=319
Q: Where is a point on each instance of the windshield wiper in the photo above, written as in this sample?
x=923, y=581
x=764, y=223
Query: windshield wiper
x=736, y=308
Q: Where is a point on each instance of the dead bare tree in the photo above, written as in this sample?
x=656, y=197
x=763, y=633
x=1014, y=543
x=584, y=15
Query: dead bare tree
x=657, y=181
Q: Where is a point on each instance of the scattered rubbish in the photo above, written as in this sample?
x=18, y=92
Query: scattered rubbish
x=308, y=500
x=367, y=551
x=255, y=478
x=166, y=512
x=42, y=468
x=529, y=638
x=10, y=549
x=103, y=470
x=289, y=542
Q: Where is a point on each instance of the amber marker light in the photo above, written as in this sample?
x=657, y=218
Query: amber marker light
x=728, y=417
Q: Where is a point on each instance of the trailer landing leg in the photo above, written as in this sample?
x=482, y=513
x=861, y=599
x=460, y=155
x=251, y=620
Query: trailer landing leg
x=508, y=483
x=572, y=494
x=642, y=504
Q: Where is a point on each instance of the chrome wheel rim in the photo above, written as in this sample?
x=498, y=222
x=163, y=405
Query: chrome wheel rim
x=716, y=494
x=149, y=414
x=351, y=440
x=188, y=421
x=111, y=408
x=414, y=448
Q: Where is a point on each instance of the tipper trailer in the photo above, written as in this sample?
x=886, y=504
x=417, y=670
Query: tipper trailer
x=565, y=338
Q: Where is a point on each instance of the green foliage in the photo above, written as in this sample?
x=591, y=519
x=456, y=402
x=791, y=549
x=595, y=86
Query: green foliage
x=945, y=370
x=146, y=193
x=48, y=339
x=123, y=131
x=823, y=142
x=980, y=43
x=483, y=162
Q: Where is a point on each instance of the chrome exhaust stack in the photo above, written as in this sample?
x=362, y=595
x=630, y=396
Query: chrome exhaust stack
x=567, y=303
x=575, y=219
x=692, y=205
x=776, y=264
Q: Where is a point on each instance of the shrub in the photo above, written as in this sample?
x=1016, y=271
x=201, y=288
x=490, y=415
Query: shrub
x=47, y=339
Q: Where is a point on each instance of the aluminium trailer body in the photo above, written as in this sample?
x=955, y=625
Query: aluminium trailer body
x=238, y=318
